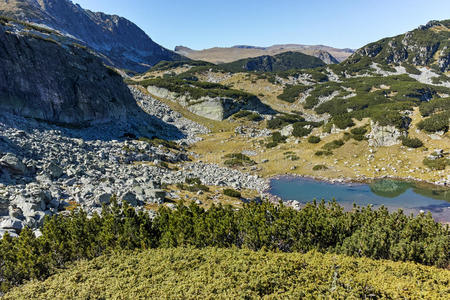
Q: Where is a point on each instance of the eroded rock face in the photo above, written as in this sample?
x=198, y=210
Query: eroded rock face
x=42, y=79
x=385, y=135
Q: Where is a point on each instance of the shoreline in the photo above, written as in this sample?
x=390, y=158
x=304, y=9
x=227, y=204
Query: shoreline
x=350, y=182
x=354, y=181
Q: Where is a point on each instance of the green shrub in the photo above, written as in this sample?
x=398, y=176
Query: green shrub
x=359, y=131
x=238, y=160
x=196, y=89
x=437, y=122
x=321, y=153
x=232, y=193
x=300, y=130
x=411, y=69
x=333, y=145
x=271, y=145
x=238, y=274
x=319, y=167
x=434, y=106
x=292, y=92
x=343, y=121
x=278, y=138
x=412, y=142
x=314, y=139
x=358, y=137
x=285, y=119
x=322, y=227
x=251, y=116
x=436, y=164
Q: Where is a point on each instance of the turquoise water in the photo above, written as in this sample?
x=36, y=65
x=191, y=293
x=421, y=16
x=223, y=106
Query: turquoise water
x=410, y=197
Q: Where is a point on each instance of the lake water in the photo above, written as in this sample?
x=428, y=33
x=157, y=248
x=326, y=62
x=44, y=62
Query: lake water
x=411, y=197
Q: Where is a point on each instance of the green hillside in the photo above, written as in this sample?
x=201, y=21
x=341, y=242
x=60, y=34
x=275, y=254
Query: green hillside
x=212, y=273
x=428, y=45
x=281, y=62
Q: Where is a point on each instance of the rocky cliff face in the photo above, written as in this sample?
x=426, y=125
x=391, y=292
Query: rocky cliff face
x=44, y=79
x=428, y=45
x=124, y=43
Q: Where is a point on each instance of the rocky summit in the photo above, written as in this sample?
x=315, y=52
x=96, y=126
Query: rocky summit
x=118, y=41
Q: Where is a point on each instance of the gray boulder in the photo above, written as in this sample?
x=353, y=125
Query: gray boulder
x=54, y=170
x=11, y=223
x=130, y=197
x=13, y=164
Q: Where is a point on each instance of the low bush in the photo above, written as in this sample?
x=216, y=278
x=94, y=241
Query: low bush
x=319, y=167
x=238, y=160
x=278, y=138
x=411, y=69
x=323, y=153
x=271, y=145
x=434, y=106
x=283, y=120
x=412, y=142
x=232, y=193
x=359, y=131
x=343, y=121
x=333, y=145
x=238, y=274
x=314, y=139
x=300, y=130
x=364, y=232
x=437, y=122
x=437, y=164
x=292, y=92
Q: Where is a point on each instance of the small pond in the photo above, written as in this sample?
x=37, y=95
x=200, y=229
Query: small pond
x=393, y=194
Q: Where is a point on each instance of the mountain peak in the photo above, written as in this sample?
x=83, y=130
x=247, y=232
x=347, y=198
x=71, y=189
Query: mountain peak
x=123, y=42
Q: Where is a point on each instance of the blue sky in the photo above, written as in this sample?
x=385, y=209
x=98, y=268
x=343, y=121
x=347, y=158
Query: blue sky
x=200, y=24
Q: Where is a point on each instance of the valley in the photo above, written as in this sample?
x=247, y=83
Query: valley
x=113, y=144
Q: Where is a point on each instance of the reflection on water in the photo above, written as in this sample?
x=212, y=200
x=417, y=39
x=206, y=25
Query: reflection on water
x=389, y=188
x=394, y=194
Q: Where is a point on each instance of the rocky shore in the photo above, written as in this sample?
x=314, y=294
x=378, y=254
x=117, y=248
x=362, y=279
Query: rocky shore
x=45, y=169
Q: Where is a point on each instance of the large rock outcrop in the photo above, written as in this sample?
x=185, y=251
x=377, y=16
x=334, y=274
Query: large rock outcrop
x=215, y=108
x=381, y=136
x=121, y=41
x=61, y=83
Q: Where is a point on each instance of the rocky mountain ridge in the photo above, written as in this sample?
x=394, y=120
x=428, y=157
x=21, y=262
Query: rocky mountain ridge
x=428, y=45
x=121, y=41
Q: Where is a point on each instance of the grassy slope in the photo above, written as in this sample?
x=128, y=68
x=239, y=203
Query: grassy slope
x=237, y=274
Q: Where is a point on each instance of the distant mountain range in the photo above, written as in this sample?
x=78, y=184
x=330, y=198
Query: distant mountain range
x=121, y=41
x=327, y=54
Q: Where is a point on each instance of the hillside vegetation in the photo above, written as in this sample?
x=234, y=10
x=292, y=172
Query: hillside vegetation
x=428, y=45
x=213, y=273
x=363, y=232
x=281, y=62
